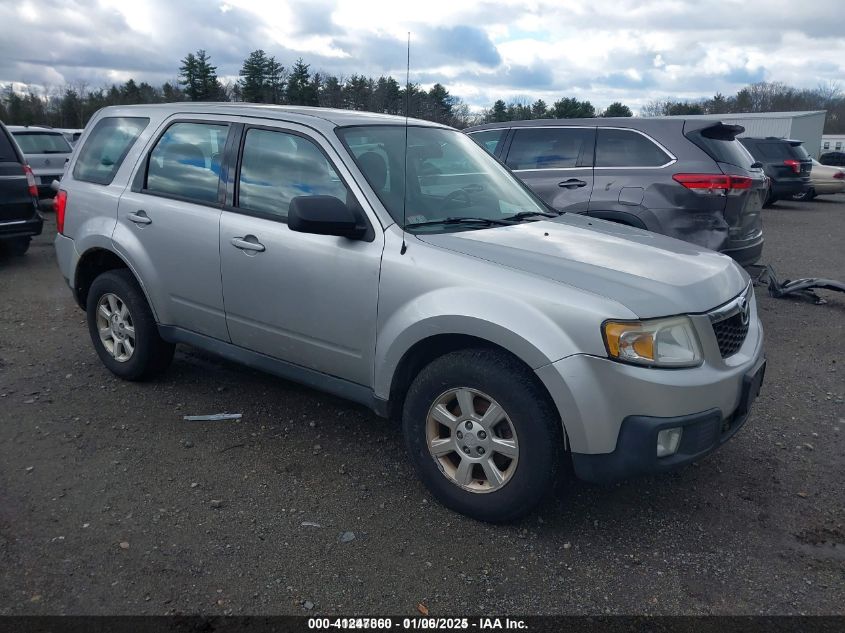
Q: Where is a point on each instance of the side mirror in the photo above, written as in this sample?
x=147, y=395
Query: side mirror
x=323, y=215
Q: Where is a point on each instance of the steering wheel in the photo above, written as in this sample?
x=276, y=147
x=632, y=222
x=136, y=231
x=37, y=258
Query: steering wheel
x=460, y=196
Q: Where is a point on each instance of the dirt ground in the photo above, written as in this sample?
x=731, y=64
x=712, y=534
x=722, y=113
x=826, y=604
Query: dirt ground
x=110, y=503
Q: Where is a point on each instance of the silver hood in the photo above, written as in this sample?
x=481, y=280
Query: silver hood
x=650, y=274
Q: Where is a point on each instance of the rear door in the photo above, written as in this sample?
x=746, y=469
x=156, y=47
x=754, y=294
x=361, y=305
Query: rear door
x=627, y=163
x=16, y=203
x=556, y=163
x=168, y=224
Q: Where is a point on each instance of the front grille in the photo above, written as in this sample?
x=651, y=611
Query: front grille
x=730, y=334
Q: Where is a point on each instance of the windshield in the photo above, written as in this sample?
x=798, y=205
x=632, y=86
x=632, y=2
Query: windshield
x=449, y=177
x=42, y=143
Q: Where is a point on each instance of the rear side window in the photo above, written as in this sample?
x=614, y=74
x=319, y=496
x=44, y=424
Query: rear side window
x=722, y=150
x=185, y=161
x=7, y=152
x=42, y=143
x=489, y=139
x=277, y=167
x=625, y=148
x=551, y=148
x=106, y=147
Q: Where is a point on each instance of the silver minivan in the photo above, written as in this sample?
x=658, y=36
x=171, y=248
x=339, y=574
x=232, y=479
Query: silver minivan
x=399, y=265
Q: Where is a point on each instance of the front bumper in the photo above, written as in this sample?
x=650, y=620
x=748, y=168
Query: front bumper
x=603, y=403
x=636, y=452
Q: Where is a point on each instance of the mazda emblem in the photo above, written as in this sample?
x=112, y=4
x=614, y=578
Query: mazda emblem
x=743, y=310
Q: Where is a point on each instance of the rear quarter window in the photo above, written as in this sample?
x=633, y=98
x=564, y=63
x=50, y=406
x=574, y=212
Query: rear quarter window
x=731, y=152
x=106, y=147
x=626, y=148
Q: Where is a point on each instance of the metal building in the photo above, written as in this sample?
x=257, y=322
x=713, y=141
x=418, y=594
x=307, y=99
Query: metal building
x=804, y=126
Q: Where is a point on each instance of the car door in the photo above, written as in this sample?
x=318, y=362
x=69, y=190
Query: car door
x=627, y=164
x=16, y=200
x=306, y=299
x=169, y=225
x=556, y=163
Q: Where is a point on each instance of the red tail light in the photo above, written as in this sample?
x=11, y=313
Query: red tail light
x=714, y=184
x=30, y=181
x=59, y=206
x=840, y=175
x=791, y=162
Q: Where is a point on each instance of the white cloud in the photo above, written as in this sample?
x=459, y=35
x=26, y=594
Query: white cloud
x=603, y=50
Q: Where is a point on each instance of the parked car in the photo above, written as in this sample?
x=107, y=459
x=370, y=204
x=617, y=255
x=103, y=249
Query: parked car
x=19, y=217
x=684, y=178
x=836, y=159
x=786, y=163
x=71, y=135
x=505, y=337
x=46, y=151
x=824, y=180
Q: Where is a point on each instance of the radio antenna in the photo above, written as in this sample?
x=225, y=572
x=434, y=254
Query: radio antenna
x=405, y=173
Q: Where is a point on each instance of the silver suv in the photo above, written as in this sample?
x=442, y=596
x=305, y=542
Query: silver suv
x=507, y=337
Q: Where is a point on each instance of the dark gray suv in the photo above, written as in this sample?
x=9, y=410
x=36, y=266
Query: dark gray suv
x=686, y=178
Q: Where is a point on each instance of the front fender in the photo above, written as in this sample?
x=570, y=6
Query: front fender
x=515, y=326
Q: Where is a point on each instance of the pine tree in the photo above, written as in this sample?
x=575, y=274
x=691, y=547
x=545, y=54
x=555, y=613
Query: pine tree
x=300, y=91
x=617, y=109
x=254, y=80
x=199, y=77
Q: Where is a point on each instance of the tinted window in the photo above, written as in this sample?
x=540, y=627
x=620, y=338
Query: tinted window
x=42, y=143
x=551, y=148
x=489, y=139
x=722, y=150
x=106, y=147
x=799, y=152
x=7, y=152
x=277, y=167
x=624, y=148
x=186, y=161
x=773, y=151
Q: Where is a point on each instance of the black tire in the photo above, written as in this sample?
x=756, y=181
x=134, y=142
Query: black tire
x=151, y=354
x=533, y=416
x=17, y=246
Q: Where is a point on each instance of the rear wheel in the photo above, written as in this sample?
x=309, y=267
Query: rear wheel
x=482, y=434
x=123, y=329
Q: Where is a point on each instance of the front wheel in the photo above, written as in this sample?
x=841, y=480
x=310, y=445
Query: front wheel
x=123, y=329
x=482, y=434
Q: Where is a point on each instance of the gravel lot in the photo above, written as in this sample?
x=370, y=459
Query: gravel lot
x=111, y=503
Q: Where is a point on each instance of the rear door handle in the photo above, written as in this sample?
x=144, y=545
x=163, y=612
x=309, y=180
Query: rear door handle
x=139, y=217
x=248, y=243
x=572, y=183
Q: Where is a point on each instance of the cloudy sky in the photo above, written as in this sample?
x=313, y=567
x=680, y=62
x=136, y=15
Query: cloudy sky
x=602, y=50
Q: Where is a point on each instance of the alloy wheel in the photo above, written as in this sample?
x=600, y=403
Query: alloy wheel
x=472, y=439
x=116, y=328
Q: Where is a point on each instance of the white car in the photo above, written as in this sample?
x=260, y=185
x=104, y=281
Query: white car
x=824, y=181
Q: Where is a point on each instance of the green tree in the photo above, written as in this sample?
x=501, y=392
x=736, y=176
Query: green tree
x=617, y=109
x=539, y=109
x=199, y=77
x=253, y=77
x=499, y=112
x=331, y=93
x=300, y=90
x=571, y=108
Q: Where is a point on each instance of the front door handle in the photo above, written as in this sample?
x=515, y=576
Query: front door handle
x=139, y=217
x=572, y=183
x=248, y=243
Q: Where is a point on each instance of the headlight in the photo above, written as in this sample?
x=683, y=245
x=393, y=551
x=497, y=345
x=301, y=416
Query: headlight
x=659, y=342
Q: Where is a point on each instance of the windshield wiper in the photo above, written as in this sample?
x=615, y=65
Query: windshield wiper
x=524, y=215
x=467, y=220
